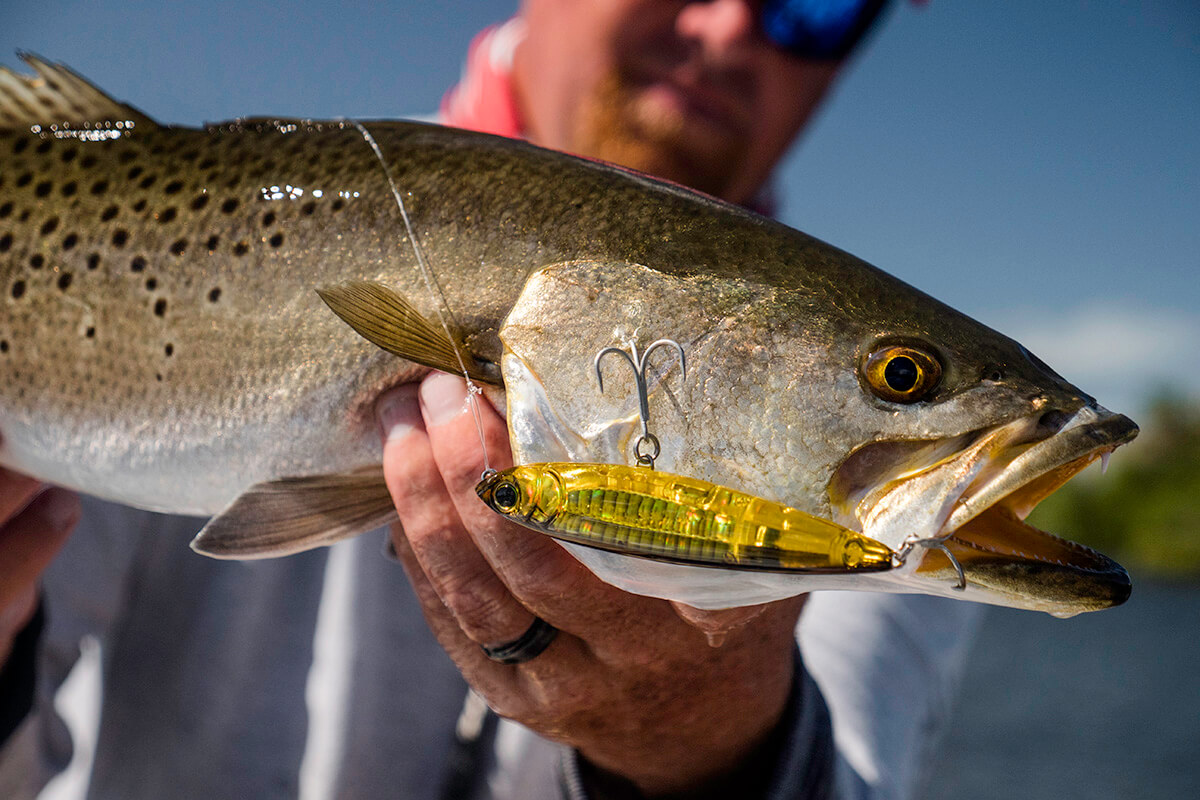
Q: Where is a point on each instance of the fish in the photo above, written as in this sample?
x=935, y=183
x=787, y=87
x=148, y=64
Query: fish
x=163, y=344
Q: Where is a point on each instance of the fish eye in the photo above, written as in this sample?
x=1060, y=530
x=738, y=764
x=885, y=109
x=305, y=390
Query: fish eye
x=505, y=496
x=901, y=373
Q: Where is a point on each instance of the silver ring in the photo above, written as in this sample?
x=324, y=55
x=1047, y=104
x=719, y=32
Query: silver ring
x=528, y=645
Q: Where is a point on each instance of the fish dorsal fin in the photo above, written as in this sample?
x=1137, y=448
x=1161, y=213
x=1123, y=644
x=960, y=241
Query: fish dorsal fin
x=387, y=320
x=286, y=516
x=57, y=95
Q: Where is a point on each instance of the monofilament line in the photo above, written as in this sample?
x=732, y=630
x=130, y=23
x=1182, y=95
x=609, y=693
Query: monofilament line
x=434, y=288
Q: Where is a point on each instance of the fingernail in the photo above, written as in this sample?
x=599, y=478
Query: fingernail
x=443, y=397
x=398, y=411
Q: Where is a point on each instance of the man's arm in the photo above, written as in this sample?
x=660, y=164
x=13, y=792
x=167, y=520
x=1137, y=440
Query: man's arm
x=663, y=697
x=33, y=527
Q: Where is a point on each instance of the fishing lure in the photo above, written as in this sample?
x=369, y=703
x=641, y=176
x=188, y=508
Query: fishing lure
x=639, y=511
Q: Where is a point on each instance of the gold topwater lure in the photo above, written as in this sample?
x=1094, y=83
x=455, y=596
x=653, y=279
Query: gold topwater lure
x=639, y=511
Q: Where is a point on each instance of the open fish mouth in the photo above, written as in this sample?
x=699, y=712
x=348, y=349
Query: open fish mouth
x=960, y=504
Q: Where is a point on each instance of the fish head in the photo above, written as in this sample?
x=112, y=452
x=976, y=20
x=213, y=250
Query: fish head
x=865, y=402
x=973, y=431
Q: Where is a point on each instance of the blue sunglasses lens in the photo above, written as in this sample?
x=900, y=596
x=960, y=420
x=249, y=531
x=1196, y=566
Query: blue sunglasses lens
x=818, y=29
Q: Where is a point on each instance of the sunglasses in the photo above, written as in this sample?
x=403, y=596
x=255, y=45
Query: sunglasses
x=818, y=30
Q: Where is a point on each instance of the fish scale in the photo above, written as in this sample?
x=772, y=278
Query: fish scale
x=163, y=343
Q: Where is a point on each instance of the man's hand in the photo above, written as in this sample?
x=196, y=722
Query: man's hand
x=32, y=529
x=663, y=695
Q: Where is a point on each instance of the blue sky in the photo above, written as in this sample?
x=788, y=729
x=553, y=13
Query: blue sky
x=1034, y=164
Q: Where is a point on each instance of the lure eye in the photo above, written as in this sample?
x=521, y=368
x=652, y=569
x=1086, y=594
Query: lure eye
x=901, y=374
x=505, y=496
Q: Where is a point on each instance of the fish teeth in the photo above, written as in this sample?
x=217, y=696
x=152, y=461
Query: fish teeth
x=1104, y=461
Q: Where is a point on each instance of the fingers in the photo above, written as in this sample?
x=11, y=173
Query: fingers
x=442, y=551
x=16, y=491
x=28, y=542
x=544, y=576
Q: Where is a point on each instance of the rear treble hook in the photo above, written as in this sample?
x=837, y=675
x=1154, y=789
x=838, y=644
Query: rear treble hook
x=648, y=439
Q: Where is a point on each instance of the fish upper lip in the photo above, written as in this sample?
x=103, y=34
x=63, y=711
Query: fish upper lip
x=1089, y=433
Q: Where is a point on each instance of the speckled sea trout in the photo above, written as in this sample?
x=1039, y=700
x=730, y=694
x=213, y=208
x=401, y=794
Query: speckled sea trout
x=162, y=344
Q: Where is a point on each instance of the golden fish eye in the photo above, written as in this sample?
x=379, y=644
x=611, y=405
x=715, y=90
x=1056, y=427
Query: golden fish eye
x=506, y=496
x=901, y=374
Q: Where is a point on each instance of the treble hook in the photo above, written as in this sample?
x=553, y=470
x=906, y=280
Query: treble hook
x=639, y=376
x=934, y=543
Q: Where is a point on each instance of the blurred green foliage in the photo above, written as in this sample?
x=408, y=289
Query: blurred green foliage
x=1145, y=512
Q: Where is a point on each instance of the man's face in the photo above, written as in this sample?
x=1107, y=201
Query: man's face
x=688, y=91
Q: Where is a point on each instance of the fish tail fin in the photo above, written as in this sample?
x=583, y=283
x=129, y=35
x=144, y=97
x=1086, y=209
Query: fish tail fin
x=287, y=516
x=387, y=320
x=56, y=95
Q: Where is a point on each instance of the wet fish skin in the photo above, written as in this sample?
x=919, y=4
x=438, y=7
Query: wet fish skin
x=163, y=344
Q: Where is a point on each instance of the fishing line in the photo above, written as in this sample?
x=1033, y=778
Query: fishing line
x=434, y=288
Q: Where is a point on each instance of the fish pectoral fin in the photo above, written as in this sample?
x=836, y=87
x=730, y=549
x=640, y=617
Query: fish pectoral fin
x=57, y=95
x=387, y=320
x=287, y=516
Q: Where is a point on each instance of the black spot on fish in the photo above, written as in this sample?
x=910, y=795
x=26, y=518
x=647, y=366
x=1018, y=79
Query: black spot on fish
x=18, y=289
x=151, y=284
x=212, y=243
x=190, y=155
x=200, y=202
x=5, y=210
x=338, y=204
x=99, y=187
x=160, y=310
x=170, y=348
x=3, y=345
x=43, y=188
x=174, y=187
x=5, y=242
x=90, y=333
x=37, y=261
x=69, y=241
x=229, y=206
x=93, y=261
x=140, y=205
x=276, y=240
x=240, y=249
x=134, y=173
x=69, y=188
x=308, y=208
x=45, y=146
x=24, y=216
x=138, y=264
x=69, y=154
x=166, y=215
x=207, y=163
x=109, y=213
x=24, y=179
x=49, y=226
x=158, y=377
x=214, y=295
x=179, y=246
x=120, y=237
x=148, y=181
x=64, y=281
x=126, y=156
x=19, y=145
x=87, y=162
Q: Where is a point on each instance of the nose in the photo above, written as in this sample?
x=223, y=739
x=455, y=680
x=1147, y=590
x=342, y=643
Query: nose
x=719, y=26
